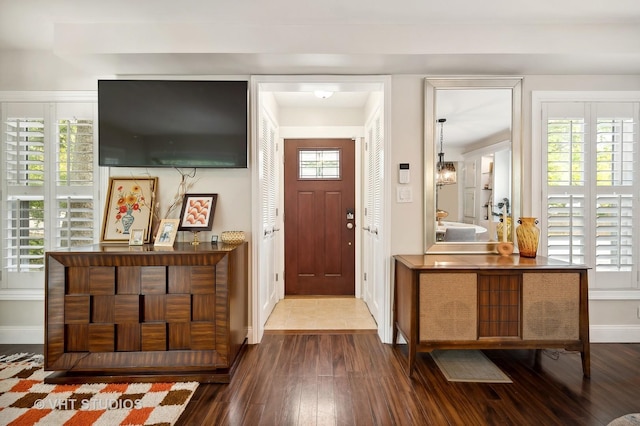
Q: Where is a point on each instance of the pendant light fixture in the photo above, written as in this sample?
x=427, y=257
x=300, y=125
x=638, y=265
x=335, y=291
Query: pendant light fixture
x=445, y=170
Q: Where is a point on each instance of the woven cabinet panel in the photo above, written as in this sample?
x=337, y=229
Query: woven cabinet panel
x=154, y=336
x=76, y=337
x=551, y=306
x=448, y=307
x=101, y=337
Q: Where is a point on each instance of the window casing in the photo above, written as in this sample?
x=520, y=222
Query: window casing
x=49, y=185
x=590, y=189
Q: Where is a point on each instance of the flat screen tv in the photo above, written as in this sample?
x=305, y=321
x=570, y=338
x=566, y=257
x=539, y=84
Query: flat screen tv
x=172, y=123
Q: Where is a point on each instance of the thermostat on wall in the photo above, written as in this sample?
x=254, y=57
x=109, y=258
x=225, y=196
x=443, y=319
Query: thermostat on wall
x=403, y=173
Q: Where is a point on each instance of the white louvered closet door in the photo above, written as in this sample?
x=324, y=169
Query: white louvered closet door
x=269, y=190
x=48, y=185
x=590, y=186
x=372, y=250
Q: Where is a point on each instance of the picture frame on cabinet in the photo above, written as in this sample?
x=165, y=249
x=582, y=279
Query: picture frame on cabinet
x=129, y=205
x=167, y=231
x=197, y=212
x=137, y=237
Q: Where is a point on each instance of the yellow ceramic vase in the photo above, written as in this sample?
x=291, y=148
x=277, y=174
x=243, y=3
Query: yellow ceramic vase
x=528, y=235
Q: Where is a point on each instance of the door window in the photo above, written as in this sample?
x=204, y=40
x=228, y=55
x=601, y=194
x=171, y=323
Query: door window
x=319, y=164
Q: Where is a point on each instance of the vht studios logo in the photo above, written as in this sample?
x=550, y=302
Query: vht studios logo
x=87, y=404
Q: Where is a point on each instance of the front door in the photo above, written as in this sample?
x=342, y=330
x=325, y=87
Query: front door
x=319, y=219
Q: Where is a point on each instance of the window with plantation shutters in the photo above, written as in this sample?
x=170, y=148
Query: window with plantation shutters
x=590, y=152
x=48, y=186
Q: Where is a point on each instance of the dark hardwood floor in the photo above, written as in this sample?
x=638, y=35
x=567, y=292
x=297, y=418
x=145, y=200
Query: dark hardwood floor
x=354, y=379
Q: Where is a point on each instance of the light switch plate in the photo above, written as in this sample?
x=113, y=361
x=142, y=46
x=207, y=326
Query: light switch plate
x=404, y=194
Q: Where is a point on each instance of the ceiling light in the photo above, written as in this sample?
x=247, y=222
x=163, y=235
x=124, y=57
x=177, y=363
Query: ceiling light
x=445, y=170
x=323, y=94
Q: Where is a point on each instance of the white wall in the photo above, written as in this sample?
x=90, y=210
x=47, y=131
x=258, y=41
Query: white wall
x=611, y=320
x=233, y=186
x=45, y=72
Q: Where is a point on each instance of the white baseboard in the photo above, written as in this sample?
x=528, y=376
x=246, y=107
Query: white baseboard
x=250, y=336
x=27, y=334
x=614, y=333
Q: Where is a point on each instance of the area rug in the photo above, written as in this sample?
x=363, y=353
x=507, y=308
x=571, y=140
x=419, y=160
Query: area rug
x=468, y=366
x=25, y=400
x=632, y=419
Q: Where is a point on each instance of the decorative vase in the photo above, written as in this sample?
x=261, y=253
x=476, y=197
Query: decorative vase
x=505, y=248
x=127, y=221
x=528, y=234
x=500, y=228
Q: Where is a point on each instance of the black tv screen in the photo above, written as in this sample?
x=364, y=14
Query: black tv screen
x=172, y=123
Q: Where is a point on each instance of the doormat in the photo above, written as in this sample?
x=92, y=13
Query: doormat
x=468, y=366
x=25, y=400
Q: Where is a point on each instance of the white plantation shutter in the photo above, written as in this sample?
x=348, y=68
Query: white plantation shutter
x=24, y=139
x=24, y=231
x=74, y=156
x=614, y=233
x=75, y=221
x=566, y=239
x=591, y=154
x=48, y=187
x=24, y=151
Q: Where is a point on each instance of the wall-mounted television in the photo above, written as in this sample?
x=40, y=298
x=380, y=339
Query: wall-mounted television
x=172, y=123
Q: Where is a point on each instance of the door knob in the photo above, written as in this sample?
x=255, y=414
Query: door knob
x=349, y=225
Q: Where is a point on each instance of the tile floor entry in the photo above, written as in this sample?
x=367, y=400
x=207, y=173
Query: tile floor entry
x=321, y=313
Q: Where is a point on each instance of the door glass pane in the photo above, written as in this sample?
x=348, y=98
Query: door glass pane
x=319, y=164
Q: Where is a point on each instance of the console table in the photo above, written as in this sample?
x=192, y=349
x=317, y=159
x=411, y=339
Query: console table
x=475, y=301
x=117, y=313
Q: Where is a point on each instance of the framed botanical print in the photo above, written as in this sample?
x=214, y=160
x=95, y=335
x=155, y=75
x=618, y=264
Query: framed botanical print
x=129, y=206
x=197, y=212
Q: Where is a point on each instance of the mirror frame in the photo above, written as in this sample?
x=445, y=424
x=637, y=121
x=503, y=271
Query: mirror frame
x=432, y=85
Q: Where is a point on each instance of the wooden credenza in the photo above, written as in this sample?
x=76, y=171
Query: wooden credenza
x=451, y=301
x=127, y=313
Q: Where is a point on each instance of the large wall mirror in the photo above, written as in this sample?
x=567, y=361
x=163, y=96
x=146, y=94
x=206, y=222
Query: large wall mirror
x=472, y=162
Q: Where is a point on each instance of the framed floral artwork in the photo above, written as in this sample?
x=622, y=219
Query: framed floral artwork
x=129, y=206
x=197, y=212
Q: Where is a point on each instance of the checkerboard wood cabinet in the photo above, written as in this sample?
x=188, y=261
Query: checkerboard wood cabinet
x=457, y=301
x=118, y=313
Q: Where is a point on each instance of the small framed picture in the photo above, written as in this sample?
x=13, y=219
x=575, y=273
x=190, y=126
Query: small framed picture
x=197, y=212
x=166, y=234
x=137, y=237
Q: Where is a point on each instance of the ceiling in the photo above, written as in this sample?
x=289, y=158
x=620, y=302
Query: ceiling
x=329, y=37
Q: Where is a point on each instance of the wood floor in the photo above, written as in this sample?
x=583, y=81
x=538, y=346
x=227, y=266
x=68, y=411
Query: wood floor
x=354, y=379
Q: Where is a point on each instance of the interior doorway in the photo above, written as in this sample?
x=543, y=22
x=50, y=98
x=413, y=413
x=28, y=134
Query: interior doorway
x=320, y=216
x=287, y=107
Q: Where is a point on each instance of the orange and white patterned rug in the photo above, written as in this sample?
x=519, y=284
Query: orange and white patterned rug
x=26, y=400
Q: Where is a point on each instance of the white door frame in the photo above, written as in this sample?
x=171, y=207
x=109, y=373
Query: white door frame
x=337, y=83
